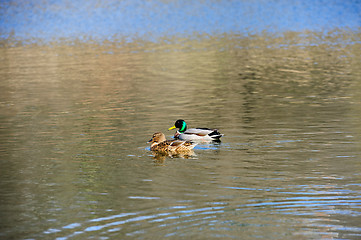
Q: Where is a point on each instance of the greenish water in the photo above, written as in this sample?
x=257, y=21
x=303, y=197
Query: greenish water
x=75, y=119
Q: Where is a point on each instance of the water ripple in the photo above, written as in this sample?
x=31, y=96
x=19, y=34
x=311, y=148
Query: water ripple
x=221, y=215
x=173, y=216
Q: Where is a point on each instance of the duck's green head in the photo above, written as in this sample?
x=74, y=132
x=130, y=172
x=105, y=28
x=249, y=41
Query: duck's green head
x=181, y=124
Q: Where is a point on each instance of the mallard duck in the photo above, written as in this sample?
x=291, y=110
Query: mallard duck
x=195, y=134
x=162, y=145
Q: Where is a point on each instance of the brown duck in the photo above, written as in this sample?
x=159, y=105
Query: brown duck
x=160, y=144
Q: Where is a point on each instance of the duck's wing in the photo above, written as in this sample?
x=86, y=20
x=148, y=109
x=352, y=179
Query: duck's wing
x=181, y=145
x=176, y=143
x=201, y=134
x=199, y=131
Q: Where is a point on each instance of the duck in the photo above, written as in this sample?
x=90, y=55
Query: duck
x=195, y=134
x=160, y=144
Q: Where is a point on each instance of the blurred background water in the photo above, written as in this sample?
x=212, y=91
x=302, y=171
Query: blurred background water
x=110, y=20
x=84, y=85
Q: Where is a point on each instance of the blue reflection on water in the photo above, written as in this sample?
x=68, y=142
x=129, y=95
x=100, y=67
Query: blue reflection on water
x=106, y=20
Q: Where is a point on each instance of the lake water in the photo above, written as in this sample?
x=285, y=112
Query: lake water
x=75, y=119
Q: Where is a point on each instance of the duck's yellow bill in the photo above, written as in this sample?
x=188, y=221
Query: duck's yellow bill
x=171, y=128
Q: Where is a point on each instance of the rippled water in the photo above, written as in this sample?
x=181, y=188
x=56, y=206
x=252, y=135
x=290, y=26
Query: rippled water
x=75, y=120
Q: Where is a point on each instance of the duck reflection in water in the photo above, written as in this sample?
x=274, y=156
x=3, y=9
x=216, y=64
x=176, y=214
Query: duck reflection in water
x=162, y=147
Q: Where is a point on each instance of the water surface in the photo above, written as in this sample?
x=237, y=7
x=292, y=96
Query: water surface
x=75, y=119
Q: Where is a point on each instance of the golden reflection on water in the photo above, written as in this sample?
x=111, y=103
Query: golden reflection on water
x=75, y=120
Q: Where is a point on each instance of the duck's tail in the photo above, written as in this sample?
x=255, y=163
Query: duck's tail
x=215, y=135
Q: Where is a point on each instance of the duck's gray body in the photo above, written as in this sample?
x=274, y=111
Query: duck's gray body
x=195, y=134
